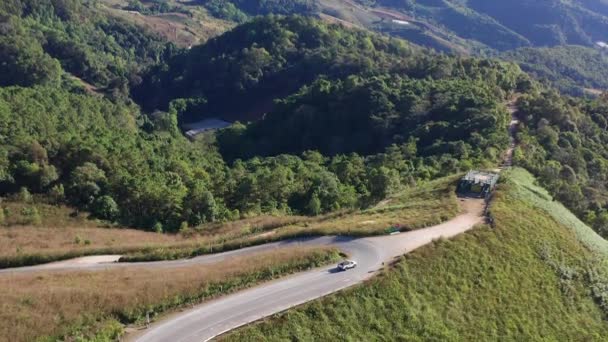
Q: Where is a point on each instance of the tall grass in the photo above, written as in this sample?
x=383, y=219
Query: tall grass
x=526, y=279
x=527, y=189
x=63, y=306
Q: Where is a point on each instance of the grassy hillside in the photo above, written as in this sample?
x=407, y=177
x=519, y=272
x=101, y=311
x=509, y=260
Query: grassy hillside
x=532, y=276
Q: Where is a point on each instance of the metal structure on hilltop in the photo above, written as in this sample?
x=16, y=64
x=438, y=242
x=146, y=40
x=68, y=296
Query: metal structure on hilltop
x=478, y=183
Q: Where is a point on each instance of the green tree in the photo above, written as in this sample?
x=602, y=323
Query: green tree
x=314, y=205
x=383, y=182
x=86, y=183
x=25, y=63
x=105, y=207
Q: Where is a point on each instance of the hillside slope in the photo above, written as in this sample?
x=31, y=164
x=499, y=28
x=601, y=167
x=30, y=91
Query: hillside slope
x=457, y=25
x=530, y=277
x=505, y=25
x=271, y=57
x=572, y=69
x=108, y=158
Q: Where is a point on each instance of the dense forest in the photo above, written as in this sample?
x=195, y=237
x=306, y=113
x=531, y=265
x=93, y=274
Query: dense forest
x=272, y=57
x=105, y=156
x=563, y=141
x=264, y=59
x=42, y=39
x=458, y=117
x=341, y=118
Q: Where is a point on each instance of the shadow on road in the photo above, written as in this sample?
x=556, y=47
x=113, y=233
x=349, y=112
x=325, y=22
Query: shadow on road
x=334, y=270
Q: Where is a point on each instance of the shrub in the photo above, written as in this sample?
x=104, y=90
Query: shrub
x=158, y=227
x=57, y=194
x=31, y=216
x=24, y=195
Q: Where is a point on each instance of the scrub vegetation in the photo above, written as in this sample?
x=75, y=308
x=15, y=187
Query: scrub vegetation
x=424, y=206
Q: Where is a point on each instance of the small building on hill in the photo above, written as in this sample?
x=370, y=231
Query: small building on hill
x=477, y=183
x=195, y=128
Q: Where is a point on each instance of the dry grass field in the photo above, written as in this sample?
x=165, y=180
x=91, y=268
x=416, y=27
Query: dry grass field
x=64, y=306
x=55, y=234
x=33, y=233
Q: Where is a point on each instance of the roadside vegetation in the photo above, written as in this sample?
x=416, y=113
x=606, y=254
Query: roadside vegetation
x=33, y=233
x=530, y=277
x=59, y=235
x=424, y=206
x=97, y=305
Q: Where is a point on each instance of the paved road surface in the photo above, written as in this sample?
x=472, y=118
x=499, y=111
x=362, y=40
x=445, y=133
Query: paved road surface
x=216, y=317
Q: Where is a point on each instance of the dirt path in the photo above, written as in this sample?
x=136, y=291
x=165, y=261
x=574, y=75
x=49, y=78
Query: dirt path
x=508, y=155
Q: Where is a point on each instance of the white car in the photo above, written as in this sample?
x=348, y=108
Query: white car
x=347, y=265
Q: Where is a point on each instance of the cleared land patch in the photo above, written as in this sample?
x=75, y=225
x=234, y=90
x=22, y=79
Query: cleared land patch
x=182, y=29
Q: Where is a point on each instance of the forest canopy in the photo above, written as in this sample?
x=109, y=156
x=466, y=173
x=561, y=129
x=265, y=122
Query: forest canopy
x=107, y=157
x=342, y=119
x=563, y=141
x=42, y=39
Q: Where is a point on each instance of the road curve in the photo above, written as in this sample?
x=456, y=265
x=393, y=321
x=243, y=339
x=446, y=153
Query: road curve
x=213, y=318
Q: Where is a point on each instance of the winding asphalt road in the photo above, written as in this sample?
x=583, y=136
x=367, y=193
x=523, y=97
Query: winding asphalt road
x=213, y=318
